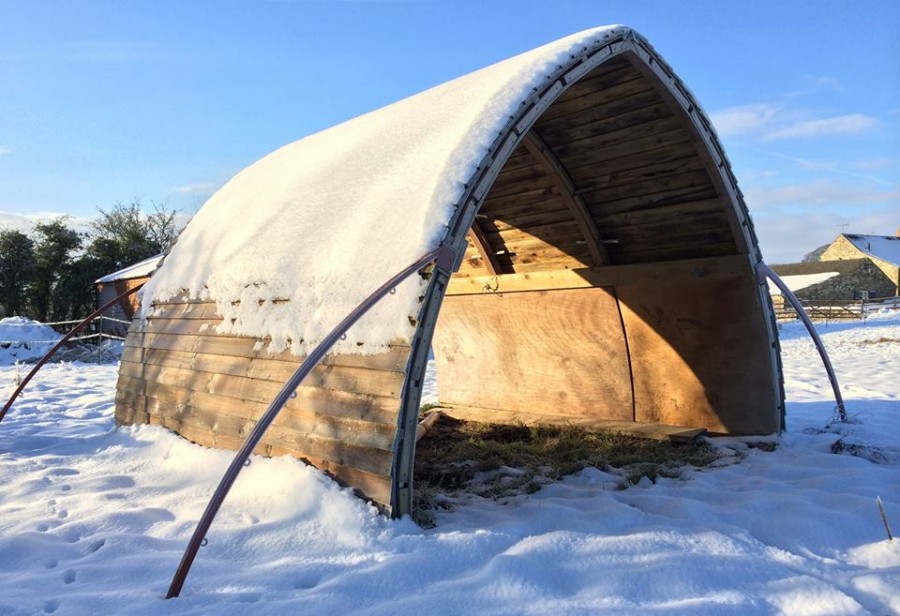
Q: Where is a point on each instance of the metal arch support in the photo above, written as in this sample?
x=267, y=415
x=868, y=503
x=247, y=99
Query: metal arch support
x=764, y=272
x=64, y=340
x=443, y=256
x=403, y=465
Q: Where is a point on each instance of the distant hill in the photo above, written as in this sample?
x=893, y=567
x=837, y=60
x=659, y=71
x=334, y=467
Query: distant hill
x=25, y=222
x=815, y=255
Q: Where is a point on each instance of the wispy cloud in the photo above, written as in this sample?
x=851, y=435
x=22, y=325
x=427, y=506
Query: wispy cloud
x=774, y=122
x=851, y=124
x=877, y=164
x=196, y=189
x=4, y=150
x=817, y=194
x=851, y=169
x=817, y=83
x=744, y=119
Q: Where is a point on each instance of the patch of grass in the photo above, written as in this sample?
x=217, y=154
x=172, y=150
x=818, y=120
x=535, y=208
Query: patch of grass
x=497, y=461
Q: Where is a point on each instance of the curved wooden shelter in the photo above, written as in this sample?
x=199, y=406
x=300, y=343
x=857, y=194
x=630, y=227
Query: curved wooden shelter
x=606, y=270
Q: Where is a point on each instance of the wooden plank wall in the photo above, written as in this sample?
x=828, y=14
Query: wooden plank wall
x=682, y=343
x=176, y=371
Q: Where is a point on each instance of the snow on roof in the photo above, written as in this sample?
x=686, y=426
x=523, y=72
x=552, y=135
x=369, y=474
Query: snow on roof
x=325, y=220
x=138, y=270
x=884, y=247
x=801, y=281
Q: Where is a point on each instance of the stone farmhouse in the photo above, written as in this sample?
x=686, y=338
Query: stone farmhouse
x=854, y=266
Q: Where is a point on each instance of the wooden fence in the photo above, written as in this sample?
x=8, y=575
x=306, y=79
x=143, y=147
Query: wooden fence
x=830, y=310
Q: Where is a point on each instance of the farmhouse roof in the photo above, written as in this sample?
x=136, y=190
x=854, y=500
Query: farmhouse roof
x=844, y=266
x=138, y=270
x=884, y=247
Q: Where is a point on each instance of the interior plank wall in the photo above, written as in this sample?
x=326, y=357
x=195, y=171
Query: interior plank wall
x=177, y=372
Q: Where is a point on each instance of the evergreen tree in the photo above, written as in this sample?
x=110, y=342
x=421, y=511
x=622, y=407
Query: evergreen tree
x=16, y=271
x=53, y=254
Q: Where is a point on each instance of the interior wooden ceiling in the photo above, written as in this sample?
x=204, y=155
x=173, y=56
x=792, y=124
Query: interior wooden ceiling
x=608, y=175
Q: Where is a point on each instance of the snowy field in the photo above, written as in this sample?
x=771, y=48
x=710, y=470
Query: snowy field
x=94, y=519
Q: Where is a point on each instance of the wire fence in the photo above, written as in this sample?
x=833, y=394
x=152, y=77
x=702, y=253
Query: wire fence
x=102, y=328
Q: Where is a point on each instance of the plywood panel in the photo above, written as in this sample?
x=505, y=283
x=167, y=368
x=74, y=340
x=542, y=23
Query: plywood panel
x=700, y=354
x=560, y=353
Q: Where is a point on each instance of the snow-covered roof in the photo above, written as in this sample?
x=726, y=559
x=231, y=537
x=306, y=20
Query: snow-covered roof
x=799, y=276
x=138, y=270
x=341, y=211
x=801, y=281
x=884, y=247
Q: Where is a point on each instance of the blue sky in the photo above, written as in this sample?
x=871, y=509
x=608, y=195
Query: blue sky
x=163, y=101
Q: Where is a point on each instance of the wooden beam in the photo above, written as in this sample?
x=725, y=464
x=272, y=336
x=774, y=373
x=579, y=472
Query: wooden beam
x=482, y=245
x=654, y=431
x=545, y=157
x=608, y=276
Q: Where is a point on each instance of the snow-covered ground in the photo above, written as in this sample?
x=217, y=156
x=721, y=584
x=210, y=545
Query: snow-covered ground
x=94, y=519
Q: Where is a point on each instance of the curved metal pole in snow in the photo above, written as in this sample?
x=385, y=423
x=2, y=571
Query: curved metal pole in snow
x=820, y=347
x=64, y=340
x=444, y=256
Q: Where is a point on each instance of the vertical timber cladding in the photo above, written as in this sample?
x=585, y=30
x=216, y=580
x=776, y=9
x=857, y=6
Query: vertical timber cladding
x=177, y=372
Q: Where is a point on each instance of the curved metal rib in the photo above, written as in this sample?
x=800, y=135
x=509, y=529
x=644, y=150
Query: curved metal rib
x=64, y=340
x=443, y=255
x=820, y=347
